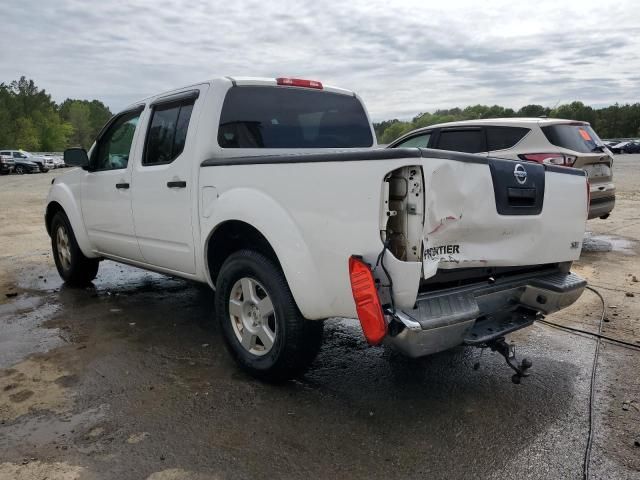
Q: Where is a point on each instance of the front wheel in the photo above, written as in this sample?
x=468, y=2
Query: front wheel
x=262, y=327
x=19, y=170
x=74, y=268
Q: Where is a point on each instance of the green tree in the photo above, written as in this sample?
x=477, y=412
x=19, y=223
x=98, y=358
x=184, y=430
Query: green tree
x=30, y=119
x=86, y=118
x=26, y=135
x=533, y=111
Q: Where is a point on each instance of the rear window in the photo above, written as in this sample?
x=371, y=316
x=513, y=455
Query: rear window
x=576, y=137
x=469, y=141
x=284, y=117
x=500, y=138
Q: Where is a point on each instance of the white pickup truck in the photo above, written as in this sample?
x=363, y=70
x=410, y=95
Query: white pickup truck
x=273, y=192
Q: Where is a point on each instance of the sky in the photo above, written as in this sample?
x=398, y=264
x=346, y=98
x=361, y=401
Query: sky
x=403, y=58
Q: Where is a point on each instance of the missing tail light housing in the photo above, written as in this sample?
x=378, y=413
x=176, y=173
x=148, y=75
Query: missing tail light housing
x=367, y=301
x=299, y=82
x=549, y=158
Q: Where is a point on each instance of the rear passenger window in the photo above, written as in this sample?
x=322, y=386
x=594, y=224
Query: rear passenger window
x=167, y=132
x=500, y=138
x=469, y=141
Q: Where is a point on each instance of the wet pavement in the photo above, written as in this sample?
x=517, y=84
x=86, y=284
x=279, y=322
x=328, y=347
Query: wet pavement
x=129, y=379
x=142, y=384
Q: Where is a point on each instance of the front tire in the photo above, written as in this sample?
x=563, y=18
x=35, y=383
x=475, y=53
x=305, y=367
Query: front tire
x=19, y=170
x=74, y=268
x=262, y=327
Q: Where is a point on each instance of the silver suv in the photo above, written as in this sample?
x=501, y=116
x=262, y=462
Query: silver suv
x=553, y=141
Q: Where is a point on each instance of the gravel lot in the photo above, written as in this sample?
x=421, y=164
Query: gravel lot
x=129, y=379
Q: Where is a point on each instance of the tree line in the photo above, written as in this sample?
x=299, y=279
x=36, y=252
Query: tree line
x=31, y=120
x=615, y=121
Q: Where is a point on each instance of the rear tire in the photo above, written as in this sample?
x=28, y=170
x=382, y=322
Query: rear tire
x=19, y=170
x=74, y=268
x=262, y=327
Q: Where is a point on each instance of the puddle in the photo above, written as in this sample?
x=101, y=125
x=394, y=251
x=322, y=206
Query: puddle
x=607, y=243
x=22, y=332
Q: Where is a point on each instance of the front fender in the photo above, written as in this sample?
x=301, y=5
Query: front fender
x=275, y=223
x=63, y=194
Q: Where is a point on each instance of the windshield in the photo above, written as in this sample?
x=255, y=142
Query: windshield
x=282, y=117
x=574, y=136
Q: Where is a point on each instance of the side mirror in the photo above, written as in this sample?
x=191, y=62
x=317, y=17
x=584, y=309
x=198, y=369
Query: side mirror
x=76, y=157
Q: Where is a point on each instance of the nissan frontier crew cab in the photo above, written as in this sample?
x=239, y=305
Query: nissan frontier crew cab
x=273, y=192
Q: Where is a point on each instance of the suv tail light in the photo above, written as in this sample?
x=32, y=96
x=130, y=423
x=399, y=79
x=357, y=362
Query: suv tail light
x=367, y=301
x=550, y=158
x=299, y=82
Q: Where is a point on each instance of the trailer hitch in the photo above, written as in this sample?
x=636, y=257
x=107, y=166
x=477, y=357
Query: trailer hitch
x=509, y=353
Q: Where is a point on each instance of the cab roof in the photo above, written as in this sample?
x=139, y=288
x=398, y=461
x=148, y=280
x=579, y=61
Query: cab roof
x=241, y=81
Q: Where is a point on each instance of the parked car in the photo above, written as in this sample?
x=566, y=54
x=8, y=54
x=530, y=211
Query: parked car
x=56, y=160
x=22, y=165
x=6, y=163
x=631, y=147
x=43, y=163
x=272, y=192
x=619, y=147
x=565, y=143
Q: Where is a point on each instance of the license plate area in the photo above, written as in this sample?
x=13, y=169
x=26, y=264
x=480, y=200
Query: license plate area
x=598, y=170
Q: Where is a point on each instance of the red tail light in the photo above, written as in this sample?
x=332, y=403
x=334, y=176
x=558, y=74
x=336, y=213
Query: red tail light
x=549, y=158
x=367, y=301
x=298, y=82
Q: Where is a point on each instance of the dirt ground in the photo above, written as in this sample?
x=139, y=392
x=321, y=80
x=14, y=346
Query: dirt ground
x=128, y=379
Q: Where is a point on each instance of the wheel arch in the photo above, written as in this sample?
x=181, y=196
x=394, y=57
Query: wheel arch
x=61, y=199
x=229, y=237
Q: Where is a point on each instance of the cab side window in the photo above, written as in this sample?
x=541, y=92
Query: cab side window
x=114, y=147
x=167, y=132
x=420, y=141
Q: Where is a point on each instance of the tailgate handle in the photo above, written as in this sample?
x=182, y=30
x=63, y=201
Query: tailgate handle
x=521, y=197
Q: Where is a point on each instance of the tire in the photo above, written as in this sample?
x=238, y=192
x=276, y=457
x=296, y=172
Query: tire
x=19, y=170
x=282, y=343
x=74, y=268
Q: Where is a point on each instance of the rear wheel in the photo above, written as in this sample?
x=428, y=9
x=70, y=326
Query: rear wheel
x=74, y=268
x=262, y=326
x=19, y=169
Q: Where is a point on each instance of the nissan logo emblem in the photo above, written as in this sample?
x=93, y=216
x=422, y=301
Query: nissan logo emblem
x=520, y=173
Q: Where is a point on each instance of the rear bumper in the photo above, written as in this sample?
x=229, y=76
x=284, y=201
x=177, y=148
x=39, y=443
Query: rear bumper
x=478, y=313
x=600, y=206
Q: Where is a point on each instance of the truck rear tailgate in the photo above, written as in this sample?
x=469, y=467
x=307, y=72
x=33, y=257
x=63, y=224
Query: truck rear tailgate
x=483, y=212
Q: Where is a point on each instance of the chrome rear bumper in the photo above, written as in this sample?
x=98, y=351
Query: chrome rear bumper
x=478, y=313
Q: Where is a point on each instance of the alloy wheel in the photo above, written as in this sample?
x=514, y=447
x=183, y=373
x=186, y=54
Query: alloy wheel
x=252, y=316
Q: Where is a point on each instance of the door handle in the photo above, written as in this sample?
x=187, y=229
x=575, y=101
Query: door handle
x=122, y=185
x=177, y=184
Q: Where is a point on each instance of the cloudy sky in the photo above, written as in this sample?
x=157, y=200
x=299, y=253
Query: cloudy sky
x=402, y=57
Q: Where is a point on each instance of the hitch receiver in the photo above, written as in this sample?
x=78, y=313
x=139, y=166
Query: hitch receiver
x=509, y=353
